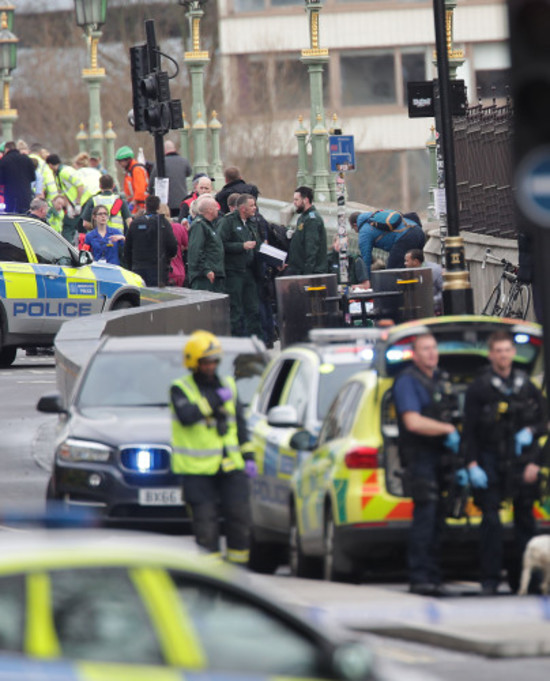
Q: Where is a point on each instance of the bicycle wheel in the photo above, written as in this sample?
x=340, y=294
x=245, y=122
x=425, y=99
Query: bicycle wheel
x=493, y=308
x=518, y=301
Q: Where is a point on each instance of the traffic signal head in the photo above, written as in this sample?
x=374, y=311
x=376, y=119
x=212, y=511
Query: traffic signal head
x=153, y=110
x=156, y=89
x=139, y=67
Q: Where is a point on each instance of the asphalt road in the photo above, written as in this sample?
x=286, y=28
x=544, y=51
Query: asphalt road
x=25, y=457
x=25, y=445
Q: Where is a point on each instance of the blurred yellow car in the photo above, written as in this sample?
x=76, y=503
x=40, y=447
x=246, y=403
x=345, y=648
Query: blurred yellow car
x=348, y=510
x=90, y=604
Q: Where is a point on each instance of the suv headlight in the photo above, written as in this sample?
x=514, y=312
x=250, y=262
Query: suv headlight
x=82, y=450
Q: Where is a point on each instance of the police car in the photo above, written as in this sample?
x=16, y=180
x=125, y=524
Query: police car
x=44, y=281
x=295, y=392
x=86, y=604
x=349, y=511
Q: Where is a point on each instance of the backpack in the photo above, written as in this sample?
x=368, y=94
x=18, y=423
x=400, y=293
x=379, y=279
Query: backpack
x=147, y=166
x=388, y=220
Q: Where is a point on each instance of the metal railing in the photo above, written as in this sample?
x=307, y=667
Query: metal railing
x=483, y=151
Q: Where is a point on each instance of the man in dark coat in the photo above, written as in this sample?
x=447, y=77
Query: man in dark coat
x=205, y=258
x=308, y=247
x=234, y=184
x=241, y=243
x=177, y=170
x=17, y=172
x=141, y=251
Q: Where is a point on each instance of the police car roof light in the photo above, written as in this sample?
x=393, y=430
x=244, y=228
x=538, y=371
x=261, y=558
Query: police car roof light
x=325, y=336
x=521, y=338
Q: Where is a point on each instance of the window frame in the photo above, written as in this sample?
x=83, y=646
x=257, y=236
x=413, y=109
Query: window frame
x=11, y=225
x=54, y=238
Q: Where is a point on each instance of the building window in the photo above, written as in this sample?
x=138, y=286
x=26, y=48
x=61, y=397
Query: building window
x=242, y=6
x=252, y=79
x=404, y=2
x=367, y=80
x=493, y=83
x=414, y=69
x=291, y=84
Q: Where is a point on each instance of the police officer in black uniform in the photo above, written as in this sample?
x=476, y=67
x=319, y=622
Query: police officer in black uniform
x=504, y=414
x=427, y=441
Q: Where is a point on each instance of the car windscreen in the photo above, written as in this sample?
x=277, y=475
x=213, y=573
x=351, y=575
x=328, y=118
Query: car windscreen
x=463, y=353
x=331, y=378
x=143, y=378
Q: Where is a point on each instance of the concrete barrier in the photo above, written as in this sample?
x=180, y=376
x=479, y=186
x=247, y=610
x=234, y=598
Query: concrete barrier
x=163, y=311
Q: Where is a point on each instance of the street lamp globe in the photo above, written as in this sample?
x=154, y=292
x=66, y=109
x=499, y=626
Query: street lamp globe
x=90, y=13
x=8, y=46
x=192, y=4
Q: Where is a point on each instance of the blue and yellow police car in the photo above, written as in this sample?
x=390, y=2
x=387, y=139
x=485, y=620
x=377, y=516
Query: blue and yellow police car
x=44, y=281
x=84, y=604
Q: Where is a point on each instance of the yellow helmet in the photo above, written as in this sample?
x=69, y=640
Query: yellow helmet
x=201, y=345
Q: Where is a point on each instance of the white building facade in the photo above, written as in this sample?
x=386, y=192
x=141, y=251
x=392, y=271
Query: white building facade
x=375, y=47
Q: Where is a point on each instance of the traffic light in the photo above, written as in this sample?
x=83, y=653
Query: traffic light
x=139, y=67
x=156, y=90
x=153, y=109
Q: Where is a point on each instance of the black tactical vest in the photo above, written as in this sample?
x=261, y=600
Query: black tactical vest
x=443, y=406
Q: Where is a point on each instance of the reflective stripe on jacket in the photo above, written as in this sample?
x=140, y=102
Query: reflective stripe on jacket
x=198, y=448
x=108, y=200
x=68, y=182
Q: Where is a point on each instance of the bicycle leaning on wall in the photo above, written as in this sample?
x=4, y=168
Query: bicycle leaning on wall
x=510, y=297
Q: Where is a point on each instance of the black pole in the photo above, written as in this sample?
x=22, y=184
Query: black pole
x=541, y=247
x=446, y=120
x=159, y=154
x=154, y=67
x=457, y=290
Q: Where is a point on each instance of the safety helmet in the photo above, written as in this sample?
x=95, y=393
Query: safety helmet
x=201, y=345
x=123, y=153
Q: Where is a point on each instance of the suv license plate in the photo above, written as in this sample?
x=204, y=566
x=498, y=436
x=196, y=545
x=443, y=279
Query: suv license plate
x=166, y=496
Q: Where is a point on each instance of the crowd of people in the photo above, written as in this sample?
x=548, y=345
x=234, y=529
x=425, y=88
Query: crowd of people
x=214, y=242
x=202, y=239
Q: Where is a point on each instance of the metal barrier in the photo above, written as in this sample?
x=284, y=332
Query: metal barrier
x=165, y=311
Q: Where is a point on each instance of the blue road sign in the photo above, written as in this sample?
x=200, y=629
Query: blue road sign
x=342, y=153
x=533, y=186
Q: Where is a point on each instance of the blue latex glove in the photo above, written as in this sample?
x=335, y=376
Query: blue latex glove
x=523, y=438
x=452, y=441
x=461, y=477
x=478, y=477
x=250, y=468
x=225, y=394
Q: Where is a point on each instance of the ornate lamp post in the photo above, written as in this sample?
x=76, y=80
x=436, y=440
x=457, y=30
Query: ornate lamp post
x=8, y=62
x=197, y=59
x=90, y=16
x=457, y=290
x=315, y=58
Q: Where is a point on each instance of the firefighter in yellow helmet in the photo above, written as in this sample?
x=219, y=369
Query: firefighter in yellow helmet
x=211, y=449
